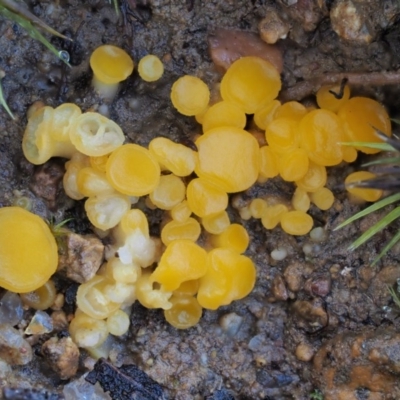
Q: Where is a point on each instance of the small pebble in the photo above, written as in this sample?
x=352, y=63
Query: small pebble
x=279, y=254
x=11, y=310
x=41, y=323
x=304, y=352
x=231, y=323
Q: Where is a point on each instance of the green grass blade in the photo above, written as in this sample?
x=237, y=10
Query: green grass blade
x=396, y=121
x=371, y=145
x=383, y=161
x=394, y=295
x=385, y=221
x=4, y=103
x=374, y=207
x=392, y=242
x=32, y=31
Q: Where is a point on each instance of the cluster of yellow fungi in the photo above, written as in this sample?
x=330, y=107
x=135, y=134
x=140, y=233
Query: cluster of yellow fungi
x=179, y=272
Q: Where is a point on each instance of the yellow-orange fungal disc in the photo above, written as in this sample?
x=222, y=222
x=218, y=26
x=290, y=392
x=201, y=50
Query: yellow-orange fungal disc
x=92, y=300
x=132, y=220
x=216, y=223
x=359, y=117
x=88, y=332
x=258, y=207
x=273, y=215
x=293, y=165
x=150, y=68
x=111, y=64
x=149, y=295
x=42, y=298
x=323, y=198
x=182, y=261
x=99, y=163
x=224, y=113
x=174, y=157
x=181, y=212
x=291, y=110
x=265, y=115
x=92, y=183
x=169, y=192
x=70, y=179
x=184, y=313
x=133, y=170
x=199, y=117
x=234, y=237
x=228, y=157
x=268, y=164
x=63, y=116
x=314, y=179
x=251, y=83
x=296, y=223
x=118, y=323
x=95, y=135
x=349, y=154
x=327, y=100
x=190, y=95
x=38, y=142
x=28, y=250
x=300, y=200
x=187, y=288
x=174, y=230
x=321, y=134
x=106, y=210
x=282, y=135
x=365, y=194
x=204, y=198
x=230, y=276
x=117, y=271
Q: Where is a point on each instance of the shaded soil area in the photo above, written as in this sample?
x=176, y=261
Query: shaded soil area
x=320, y=322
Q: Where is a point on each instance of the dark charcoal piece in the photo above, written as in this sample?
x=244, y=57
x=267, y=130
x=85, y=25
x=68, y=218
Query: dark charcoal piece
x=28, y=394
x=125, y=383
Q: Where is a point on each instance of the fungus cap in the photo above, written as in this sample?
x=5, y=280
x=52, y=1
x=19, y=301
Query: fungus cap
x=228, y=158
x=28, y=250
x=150, y=68
x=110, y=64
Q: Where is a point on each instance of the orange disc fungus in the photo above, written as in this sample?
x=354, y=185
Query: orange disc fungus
x=95, y=135
x=360, y=116
x=321, y=134
x=224, y=113
x=190, y=95
x=110, y=65
x=251, y=83
x=296, y=223
x=184, y=313
x=28, y=250
x=150, y=68
x=363, y=193
x=133, y=170
x=228, y=158
x=326, y=97
x=230, y=276
x=182, y=261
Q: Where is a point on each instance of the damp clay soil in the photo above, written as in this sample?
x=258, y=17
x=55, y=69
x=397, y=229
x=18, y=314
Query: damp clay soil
x=319, y=324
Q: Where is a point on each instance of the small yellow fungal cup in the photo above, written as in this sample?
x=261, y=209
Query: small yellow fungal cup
x=110, y=65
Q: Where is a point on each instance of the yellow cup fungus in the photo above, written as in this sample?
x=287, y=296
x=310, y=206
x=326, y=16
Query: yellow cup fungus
x=360, y=117
x=251, y=83
x=296, y=223
x=174, y=230
x=28, y=250
x=190, y=95
x=330, y=97
x=184, y=313
x=95, y=135
x=362, y=193
x=169, y=192
x=321, y=134
x=181, y=261
x=110, y=65
x=228, y=158
x=224, y=113
x=150, y=68
x=133, y=170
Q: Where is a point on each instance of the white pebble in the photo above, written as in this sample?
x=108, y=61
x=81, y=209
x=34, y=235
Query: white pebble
x=279, y=254
x=318, y=234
